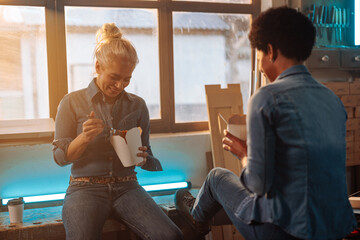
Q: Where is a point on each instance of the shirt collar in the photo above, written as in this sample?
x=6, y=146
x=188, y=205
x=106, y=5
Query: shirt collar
x=297, y=69
x=94, y=90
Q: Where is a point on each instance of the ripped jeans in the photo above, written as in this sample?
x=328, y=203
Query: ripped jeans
x=87, y=206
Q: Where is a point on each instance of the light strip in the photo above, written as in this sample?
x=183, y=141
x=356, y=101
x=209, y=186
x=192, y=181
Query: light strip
x=357, y=22
x=166, y=186
x=60, y=196
x=41, y=198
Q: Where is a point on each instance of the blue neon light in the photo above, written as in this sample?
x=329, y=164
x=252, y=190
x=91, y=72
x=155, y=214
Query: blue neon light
x=357, y=22
x=165, y=186
x=41, y=198
x=60, y=196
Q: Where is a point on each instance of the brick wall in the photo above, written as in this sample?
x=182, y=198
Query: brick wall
x=349, y=93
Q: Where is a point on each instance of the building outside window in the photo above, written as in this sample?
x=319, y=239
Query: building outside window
x=209, y=48
x=23, y=68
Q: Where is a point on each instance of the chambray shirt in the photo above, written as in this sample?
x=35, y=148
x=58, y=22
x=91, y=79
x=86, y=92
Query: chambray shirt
x=100, y=158
x=296, y=158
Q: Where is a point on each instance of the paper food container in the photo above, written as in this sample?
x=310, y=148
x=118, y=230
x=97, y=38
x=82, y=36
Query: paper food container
x=128, y=147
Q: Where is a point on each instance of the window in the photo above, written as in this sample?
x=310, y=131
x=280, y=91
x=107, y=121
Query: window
x=209, y=48
x=182, y=45
x=23, y=71
x=137, y=25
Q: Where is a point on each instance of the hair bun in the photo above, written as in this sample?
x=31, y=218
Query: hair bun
x=110, y=43
x=110, y=31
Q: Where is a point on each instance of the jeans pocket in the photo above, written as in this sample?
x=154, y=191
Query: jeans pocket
x=75, y=186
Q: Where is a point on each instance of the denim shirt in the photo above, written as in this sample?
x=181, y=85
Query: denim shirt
x=100, y=158
x=296, y=158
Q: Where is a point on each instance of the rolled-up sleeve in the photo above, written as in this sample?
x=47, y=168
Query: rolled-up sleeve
x=258, y=174
x=152, y=163
x=65, y=131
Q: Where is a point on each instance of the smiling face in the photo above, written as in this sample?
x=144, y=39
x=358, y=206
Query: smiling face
x=114, y=78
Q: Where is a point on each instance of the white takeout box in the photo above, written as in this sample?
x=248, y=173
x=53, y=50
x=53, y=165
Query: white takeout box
x=127, y=150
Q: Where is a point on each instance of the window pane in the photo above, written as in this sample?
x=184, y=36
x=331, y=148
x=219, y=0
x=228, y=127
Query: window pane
x=138, y=25
x=208, y=49
x=23, y=65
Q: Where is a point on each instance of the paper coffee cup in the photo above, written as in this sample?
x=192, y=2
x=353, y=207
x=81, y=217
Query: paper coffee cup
x=16, y=210
x=237, y=126
x=238, y=131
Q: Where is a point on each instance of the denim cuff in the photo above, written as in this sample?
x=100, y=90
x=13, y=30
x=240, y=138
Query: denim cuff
x=59, y=150
x=152, y=164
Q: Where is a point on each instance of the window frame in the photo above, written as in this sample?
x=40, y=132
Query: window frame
x=56, y=48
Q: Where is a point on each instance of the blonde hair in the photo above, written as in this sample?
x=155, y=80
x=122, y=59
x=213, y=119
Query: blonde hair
x=110, y=44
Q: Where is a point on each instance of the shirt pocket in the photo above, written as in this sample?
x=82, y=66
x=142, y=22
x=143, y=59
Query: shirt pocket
x=129, y=121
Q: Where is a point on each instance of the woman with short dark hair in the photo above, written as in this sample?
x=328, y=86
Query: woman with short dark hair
x=293, y=185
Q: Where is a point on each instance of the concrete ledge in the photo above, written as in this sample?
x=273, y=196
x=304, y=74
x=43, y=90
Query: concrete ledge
x=46, y=223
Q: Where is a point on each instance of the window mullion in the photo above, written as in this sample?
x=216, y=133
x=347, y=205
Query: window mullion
x=166, y=67
x=214, y=7
x=113, y=4
x=255, y=74
x=56, y=53
x=34, y=3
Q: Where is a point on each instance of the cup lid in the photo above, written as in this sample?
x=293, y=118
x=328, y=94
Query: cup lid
x=16, y=201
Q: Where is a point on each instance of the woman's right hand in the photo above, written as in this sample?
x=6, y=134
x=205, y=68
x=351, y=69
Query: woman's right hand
x=92, y=127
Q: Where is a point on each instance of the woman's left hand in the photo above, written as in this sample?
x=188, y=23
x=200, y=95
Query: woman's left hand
x=142, y=154
x=235, y=145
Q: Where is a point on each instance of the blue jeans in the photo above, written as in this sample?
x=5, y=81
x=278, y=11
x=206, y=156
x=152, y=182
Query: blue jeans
x=87, y=206
x=223, y=189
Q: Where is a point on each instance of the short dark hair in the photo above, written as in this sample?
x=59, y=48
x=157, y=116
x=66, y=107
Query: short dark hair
x=285, y=29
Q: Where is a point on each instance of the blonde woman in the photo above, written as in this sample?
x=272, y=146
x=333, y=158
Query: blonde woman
x=100, y=186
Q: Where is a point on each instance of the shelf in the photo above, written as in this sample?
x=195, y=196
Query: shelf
x=28, y=131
